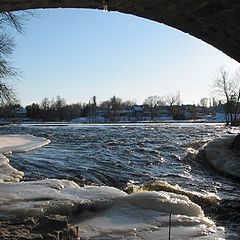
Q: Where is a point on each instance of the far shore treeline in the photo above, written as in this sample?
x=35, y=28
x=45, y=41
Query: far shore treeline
x=154, y=108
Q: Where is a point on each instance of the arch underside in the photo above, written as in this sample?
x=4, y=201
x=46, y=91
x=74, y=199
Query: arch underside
x=216, y=22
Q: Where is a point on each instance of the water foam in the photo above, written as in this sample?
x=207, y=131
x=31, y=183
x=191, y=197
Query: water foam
x=159, y=185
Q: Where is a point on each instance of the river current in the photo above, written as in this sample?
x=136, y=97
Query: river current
x=128, y=154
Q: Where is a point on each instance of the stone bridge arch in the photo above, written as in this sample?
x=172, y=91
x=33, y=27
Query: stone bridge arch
x=216, y=22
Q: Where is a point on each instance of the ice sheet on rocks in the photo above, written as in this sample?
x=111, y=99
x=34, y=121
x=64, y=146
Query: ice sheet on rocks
x=7, y=172
x=16, y=143
x=224, y=159
x=53, y=196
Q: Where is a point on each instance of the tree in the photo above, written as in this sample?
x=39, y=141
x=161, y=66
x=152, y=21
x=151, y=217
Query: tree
x=33, y=111
x=7, y=94
x=204, y=102
x=7, y=46
x=45, y=104
x=94, y=107
x=173, y=99
x=228, y=87
x=115, y=105
x=60, y=103
x=152, y=103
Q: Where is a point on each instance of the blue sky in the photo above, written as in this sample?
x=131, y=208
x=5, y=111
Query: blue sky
x=78, y=53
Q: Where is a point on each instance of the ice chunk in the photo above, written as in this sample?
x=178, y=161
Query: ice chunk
x=53, y=196
x=166, y=202
x=16, y=143
x=21, y=143
x=7, y=172
x=222, y=157
x=145, y=215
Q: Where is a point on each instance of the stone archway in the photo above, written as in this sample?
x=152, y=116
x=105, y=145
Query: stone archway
x=216, y=22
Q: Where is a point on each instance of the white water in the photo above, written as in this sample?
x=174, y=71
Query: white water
x=101, y=212
x=160, y=185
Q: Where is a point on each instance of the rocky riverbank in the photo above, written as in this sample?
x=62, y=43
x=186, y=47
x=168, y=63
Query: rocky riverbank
x=52, y=227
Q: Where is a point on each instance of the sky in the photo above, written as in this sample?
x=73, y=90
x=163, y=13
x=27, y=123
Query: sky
x=78, y=53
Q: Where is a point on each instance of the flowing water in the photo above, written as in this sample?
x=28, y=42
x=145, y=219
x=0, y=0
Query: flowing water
x=132, y=157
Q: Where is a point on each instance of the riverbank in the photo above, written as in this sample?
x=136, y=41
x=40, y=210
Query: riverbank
x=52, y=227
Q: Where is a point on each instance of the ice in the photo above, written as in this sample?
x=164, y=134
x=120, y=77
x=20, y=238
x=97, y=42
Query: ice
x=21, y=143
x=53, y=196
x=16, y=143
x=108, y=213
x=145, y=215
x=224, y=159
x=166, y=203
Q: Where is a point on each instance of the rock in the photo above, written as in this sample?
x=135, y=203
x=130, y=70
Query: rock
x=51, y=223
x=236, y=143
x=49, y=236
x=31, y=237
x=50, y=227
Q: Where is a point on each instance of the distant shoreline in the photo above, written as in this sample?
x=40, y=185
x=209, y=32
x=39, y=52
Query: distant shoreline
x=111, y=123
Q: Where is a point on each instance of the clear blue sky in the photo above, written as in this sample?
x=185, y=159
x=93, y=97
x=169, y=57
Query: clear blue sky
x=80, y=53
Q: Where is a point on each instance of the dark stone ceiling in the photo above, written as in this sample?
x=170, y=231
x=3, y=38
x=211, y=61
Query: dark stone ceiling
x=216, y=22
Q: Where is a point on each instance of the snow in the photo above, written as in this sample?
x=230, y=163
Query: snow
x=218, y=118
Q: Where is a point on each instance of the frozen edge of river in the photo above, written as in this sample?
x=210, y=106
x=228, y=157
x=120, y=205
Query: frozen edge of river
x=222, y=157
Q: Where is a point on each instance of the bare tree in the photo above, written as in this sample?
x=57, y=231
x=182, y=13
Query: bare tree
x=152, y=103
x=204, y=102
x=173, y=99
x=7, y=46
x=228, y=87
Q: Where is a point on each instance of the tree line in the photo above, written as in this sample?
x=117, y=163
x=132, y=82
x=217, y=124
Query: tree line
x=57, y=109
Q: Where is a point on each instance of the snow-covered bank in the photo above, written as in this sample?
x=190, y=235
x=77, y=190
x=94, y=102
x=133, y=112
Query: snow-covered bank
x=222, y=157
